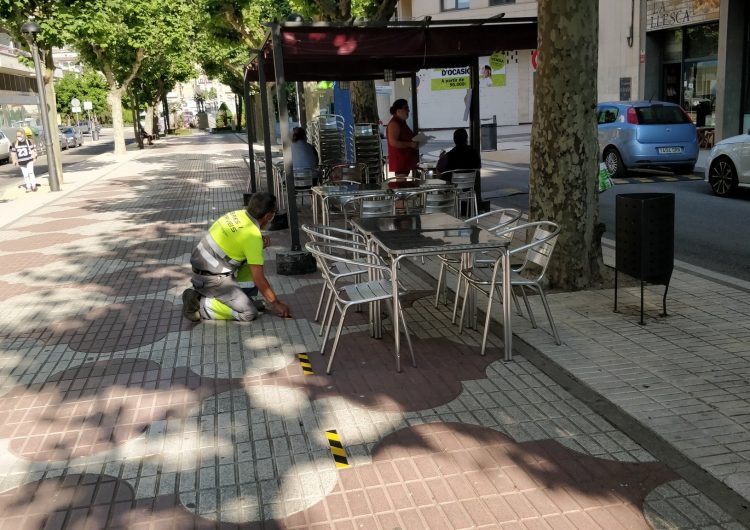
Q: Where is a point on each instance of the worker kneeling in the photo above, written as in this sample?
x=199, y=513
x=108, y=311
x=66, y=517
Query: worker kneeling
x=228, y=267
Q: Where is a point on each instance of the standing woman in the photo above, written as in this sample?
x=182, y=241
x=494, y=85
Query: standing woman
x=24, y=154
x=402, y=150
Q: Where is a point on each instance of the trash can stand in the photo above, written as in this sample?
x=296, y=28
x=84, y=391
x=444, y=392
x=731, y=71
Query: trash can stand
x=644, y=238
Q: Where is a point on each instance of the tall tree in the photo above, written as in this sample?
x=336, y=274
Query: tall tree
x=564, y=150
x=117, y=36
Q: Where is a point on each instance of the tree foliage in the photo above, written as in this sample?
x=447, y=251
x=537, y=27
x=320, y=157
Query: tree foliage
x=90, y=86
x=117, y=37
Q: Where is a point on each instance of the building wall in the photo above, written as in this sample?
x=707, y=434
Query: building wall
x=19, y=102
x=621, y=48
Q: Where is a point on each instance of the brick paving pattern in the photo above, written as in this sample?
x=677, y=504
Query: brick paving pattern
x=118, y=413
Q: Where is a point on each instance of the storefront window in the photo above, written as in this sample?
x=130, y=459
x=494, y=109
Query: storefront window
x=702, y=41
x=746, y=84
x=700, y=92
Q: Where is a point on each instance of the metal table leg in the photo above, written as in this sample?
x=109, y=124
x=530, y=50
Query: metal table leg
x=507, y=314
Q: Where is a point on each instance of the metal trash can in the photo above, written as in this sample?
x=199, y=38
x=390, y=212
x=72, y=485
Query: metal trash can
x=488, y=135
x=94, y=134
x=644, y=236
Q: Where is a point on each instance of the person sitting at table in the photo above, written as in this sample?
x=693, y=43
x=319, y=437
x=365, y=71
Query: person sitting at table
x=403, y=153
x=304, y=155
x=462, y=156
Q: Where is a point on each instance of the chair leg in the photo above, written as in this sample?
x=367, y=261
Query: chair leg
x=455, y=301
x=463, y=308
x=328, y=308
x=328, y=330
x=516, y=303
x=320, y=301
x=549, y=316
x=336, y=340
x=490, y=297
x=440, y=283
x=528, y=307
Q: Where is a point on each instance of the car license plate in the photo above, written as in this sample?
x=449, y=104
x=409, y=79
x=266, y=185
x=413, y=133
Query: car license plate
x=669, y=150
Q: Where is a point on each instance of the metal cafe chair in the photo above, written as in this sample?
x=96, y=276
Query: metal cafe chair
x=354, y=294
x=536, y=255
x=463, y=180
x=492, y=221
x=340, y=271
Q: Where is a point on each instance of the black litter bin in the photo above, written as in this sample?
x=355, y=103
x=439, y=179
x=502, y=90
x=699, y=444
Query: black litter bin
x=644, y=237
x=488, y=135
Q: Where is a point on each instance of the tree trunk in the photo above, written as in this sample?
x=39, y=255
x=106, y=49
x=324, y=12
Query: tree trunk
x=364, y=101
x=149, y=125
x=136, y=120
x=564, y=149
x=114, y=98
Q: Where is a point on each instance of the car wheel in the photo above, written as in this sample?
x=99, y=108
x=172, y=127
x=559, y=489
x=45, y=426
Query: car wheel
x=614, y=163
x=722, y=176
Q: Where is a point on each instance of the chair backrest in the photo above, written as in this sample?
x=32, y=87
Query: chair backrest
x=303, y=178
x=462, y=179
x=440, y=201
x=356, y=172
x=496, y=219
x=328, y=255
x=333, y=235
x=372, y=205
x=409, y=201
x=537, y=251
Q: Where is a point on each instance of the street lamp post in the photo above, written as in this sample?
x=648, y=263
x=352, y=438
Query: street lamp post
x=30, y=30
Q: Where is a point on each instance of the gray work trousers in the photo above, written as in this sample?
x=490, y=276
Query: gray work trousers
x=227, y=290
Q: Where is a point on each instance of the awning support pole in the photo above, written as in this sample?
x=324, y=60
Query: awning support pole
x=264, y=114
x=475, y=121
x=301, y=105
x=281, y=97
x=249, y=123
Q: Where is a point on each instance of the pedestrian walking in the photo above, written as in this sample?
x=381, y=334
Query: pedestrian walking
x=23, y=152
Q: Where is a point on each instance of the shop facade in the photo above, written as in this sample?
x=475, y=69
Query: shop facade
x=696, y=55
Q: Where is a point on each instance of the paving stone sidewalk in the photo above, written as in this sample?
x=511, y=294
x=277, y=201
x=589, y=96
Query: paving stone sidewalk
x=115, y=412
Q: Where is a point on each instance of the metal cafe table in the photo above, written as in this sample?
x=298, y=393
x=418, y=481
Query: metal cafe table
x=402, y=236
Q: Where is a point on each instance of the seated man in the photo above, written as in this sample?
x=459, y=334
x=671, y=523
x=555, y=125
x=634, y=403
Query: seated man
x=462, y=156
x=230, y=253
x=304, y=155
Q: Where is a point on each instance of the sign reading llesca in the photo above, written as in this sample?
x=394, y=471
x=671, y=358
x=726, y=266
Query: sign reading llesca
x=662, y=14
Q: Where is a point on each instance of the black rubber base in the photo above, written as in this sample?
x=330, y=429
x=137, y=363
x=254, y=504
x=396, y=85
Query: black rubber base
x=293, y=263
x=280, y=222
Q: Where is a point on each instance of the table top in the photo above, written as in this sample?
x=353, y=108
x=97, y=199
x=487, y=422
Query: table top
x=427, y=234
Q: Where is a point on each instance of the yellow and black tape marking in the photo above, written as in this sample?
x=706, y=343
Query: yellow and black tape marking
x=304, y=362
x=337, y=449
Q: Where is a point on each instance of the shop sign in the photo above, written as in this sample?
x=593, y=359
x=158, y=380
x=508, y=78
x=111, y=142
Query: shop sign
x=450, y=78
x=663, y=14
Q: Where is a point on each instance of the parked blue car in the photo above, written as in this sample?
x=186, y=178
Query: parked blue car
x=646, y=134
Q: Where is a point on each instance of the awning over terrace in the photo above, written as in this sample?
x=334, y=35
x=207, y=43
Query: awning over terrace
x=296, y=51
x=343, y=53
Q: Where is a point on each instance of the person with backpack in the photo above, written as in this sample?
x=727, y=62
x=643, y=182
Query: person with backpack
x=24, y=154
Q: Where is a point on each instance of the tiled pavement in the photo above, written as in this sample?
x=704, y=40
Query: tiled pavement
x=115, y=412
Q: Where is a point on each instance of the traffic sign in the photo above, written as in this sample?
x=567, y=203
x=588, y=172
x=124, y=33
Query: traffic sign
x=75, y=102
x=75, y=109
x=87, y=105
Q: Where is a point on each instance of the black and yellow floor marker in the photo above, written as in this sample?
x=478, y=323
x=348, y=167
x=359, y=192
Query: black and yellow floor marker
x=337, y=450
x=304, y=362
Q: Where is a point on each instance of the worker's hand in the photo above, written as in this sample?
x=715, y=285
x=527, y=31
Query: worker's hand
x=280, y=309
x=266, y=241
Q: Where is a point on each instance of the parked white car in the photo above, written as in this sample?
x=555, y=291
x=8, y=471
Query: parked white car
x=728, y=165
x=4, y=149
